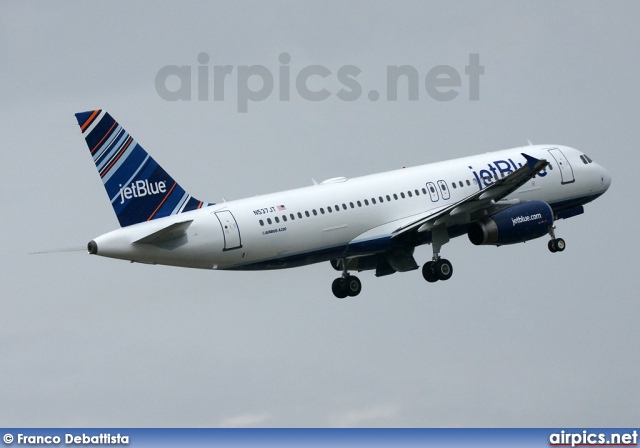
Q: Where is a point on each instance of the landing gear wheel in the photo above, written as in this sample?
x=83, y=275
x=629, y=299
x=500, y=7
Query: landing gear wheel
x=350, y=286
x=443, y=269
x=428, y=272
x=557, y=245
x=353, y=286
x=338, y=288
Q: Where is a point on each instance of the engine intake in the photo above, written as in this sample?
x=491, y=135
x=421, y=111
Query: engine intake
x=516, y=224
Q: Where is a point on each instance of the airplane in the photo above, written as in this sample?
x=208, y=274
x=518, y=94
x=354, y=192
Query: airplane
x=372, y=222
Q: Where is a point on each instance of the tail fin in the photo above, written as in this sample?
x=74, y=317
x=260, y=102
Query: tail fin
x=138, y=188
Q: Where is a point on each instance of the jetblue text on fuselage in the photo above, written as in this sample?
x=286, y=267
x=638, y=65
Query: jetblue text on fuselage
x=142, y=188
x=503, y=167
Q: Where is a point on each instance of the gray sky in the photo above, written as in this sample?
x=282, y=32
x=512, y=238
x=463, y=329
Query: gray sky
x=518, y=336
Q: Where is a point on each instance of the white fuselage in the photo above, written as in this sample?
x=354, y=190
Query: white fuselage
x=343, y=218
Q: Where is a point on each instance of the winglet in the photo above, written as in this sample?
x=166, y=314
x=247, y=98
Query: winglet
x=531, y=161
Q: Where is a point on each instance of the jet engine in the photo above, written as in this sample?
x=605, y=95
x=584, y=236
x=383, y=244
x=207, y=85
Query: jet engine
x=516, y=224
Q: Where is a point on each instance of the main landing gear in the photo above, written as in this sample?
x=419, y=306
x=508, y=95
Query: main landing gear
x=556, y=244
x=347, y=285
x=438, y=268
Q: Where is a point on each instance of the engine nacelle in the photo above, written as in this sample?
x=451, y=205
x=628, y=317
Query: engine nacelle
x=516, y=224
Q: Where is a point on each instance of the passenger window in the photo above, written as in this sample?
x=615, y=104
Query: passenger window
x=337, y=208
x=307, y=214
x=424, y=191
x=373, y=200
x=344, y=206
x=299, y=215
x=468, y=183
x=328, y=209
x=395, y=196
x=351, y=205
x=453, y=184
x=402, y=195
x=380, y=199
x=284, y=218
x=417, y=192
x=261, y=222
x=409, y=193
x=277, y=219
x=366, y=202
x=359, y=203
x=315, y=213
x=321, y=210
x=461, y=184
x=388, y=198
x=269, y=221
x=292, y=216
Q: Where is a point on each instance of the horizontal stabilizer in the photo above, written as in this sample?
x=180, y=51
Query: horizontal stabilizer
x=172, y=232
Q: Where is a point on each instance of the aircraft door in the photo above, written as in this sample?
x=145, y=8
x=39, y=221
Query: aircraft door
x=230, y=230
x=444, y=190
x=566, y=171
x=431, y=188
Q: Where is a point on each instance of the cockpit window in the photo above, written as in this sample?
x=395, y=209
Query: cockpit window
x=584, y=159
x=588, y=158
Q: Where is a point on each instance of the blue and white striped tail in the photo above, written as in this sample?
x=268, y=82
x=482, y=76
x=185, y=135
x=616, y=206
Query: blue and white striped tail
x=139, y=189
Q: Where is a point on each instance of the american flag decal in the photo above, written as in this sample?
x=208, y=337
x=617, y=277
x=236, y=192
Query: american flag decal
x=281, y=207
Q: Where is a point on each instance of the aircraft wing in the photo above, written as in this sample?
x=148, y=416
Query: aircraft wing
x=477, y=201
